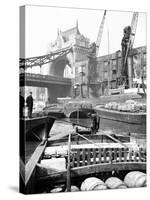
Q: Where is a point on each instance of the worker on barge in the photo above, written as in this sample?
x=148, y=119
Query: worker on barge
x=95, y=122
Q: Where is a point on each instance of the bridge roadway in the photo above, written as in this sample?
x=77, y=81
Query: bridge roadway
x=39, y=80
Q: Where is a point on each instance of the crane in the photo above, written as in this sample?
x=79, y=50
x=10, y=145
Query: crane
x=100, y=32
x=132, y=35
x=128, y=40
x=92, y=55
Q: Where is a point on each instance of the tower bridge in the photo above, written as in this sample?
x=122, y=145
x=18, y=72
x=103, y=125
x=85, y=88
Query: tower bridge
x=69, y=54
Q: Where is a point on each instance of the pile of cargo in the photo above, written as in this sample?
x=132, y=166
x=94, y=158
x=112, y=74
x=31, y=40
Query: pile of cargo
x=78, y=105
x=128, y=106
x=131, y=180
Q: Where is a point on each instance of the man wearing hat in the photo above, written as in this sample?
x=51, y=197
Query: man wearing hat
x=29, y=102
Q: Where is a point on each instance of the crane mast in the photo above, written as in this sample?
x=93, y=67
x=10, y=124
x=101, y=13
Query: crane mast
x=100, y=32
x=92, y=56
x=128, y=41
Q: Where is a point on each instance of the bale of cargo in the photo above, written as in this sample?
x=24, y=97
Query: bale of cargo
x=135, y=179
x=93, y=183
x=115, y=106
x=73, y=188
x=115, y=183
x=130, y=101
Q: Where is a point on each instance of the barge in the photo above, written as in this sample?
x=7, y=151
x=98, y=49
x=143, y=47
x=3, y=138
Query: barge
x=59, y=162
x=127, y=117
x=122, y=117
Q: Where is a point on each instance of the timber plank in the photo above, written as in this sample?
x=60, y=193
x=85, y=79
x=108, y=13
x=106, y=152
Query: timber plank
x=104, y=155
x=83, y=157
x=22, y=169
x=135, y=156
x=125, y=154
x=120, y=155
x=78, y=157
x=110, y=154
x=89, y=156
x=94, y=156
x=31, y=164
x=130, y=155
x=140, y=157
x=99, y=155
x=115, y=154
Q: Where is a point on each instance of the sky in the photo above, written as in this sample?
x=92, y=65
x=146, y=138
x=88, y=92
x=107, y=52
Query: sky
x=43, y=22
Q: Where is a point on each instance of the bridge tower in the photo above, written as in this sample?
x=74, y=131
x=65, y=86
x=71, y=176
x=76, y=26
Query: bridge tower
x=75, y=64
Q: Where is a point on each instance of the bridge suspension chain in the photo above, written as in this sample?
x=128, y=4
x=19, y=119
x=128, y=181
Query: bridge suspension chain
x=41, y=60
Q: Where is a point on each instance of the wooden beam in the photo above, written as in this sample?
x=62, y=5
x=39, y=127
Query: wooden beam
x=115, y=140
x=31, y=164
x=22, y=169
x=64, y=139
x=92, y=169
x=69, y=167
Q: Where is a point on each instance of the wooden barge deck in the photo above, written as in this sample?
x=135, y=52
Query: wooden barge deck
x=103, y=155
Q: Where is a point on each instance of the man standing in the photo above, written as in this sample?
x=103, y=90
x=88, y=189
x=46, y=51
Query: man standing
x=95, y=123
x=21, y=98
x=29, y=102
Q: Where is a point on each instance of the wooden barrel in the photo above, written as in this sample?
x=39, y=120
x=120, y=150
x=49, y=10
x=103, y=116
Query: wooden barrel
x=115, y=183
x=73, y=188
x=93, y=183
x=135, y=179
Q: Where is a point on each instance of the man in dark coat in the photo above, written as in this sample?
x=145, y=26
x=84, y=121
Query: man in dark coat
x=21, y=99
x=29, y=102
x=95, y=122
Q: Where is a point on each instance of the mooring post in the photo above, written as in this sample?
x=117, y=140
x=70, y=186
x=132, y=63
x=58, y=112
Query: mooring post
x=68, y=166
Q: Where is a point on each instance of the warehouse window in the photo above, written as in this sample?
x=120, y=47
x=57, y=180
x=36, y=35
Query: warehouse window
x=105, y=75
x=144, y=56
x=114, y=62
x=114, y=71
x=105, y=63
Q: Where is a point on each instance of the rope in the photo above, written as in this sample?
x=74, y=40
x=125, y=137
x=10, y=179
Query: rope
x=116, y=140
x=89, y=140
